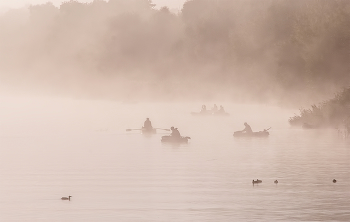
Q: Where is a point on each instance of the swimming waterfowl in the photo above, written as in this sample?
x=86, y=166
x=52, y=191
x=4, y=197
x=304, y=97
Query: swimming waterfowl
x=276, y=182
x=257, y=181
x=334, y=180
x=66, y=198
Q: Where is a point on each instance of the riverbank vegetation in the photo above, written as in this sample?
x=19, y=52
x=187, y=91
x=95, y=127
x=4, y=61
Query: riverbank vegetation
x=334, y=112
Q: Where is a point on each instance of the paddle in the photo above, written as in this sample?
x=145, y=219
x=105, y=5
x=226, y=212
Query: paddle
x=152, y=128
x=163, y=129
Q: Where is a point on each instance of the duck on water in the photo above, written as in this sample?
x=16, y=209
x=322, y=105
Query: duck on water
x=256, y=181
x=66, y=198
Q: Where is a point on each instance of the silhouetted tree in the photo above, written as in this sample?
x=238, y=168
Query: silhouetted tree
x=293, y=45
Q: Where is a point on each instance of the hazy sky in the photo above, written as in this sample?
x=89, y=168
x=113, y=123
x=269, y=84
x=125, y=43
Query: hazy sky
x=21, y=3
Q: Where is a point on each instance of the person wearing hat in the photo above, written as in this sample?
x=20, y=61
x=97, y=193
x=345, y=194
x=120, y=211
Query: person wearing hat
x=147, y=124
x=175, y=132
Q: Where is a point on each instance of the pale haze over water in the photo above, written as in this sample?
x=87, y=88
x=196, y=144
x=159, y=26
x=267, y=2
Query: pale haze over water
x=77, y=82
x=58, y=147
x=177, y=4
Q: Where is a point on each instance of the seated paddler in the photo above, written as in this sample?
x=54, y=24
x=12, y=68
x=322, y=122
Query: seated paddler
x=175, y=132
x=148, y=124
x=247, y=129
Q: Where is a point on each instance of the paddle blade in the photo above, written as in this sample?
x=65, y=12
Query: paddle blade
x=162, y=129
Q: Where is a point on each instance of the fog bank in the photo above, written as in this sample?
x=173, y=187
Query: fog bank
x=246, y=50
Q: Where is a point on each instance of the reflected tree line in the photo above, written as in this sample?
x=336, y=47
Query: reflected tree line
x=270, y=48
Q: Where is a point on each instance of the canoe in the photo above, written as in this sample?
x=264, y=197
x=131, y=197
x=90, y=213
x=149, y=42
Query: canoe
x=221, y=114
x=148, y=131
x=200, y=113
x=171, y=139
x=264, y=133
x=257, y=181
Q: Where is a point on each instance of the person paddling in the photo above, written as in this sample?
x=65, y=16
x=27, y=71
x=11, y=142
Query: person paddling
x=148, y=124
x=221, y=110
x=204, y=109
x=214, y=109
x=175, y=132
x=247, y=129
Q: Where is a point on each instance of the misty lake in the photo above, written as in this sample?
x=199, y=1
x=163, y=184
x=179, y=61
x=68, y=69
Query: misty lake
x=52, y=148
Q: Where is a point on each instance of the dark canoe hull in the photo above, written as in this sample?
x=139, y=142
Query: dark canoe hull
x=208, y=114
x=170, y=139
x=254, y=134
x=148, y=131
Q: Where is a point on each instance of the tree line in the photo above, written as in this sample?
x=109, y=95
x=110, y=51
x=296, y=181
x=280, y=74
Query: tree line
x=239, y=49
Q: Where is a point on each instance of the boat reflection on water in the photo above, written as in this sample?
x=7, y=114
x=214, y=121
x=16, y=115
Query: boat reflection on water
x=148, y=132
x=175, y=140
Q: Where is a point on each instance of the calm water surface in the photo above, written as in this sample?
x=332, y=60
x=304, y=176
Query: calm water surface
x=50, y=149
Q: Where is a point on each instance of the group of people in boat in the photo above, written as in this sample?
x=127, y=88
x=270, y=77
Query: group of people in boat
x=214, y=110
